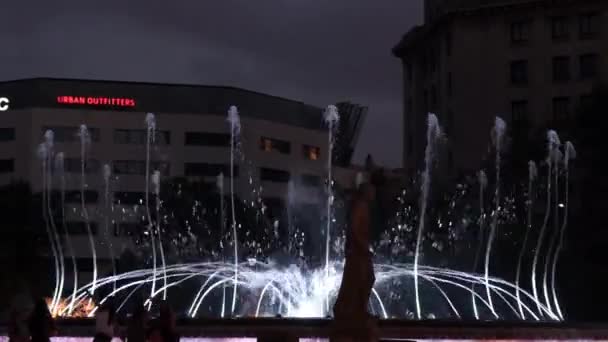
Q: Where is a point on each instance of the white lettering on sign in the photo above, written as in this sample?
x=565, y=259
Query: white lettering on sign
x=4, y=102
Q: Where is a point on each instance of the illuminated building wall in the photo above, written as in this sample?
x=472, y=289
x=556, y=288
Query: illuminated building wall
x=281, y=140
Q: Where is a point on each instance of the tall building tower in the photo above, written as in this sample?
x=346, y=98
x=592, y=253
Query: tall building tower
x=531, y=62
x=352, y=117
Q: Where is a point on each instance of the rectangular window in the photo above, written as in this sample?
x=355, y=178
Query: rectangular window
x=74, y=165
x=559, y=28
x=270, y=144
x=586, y=101
x=561, y=109
x=80, y=228
x=311, y=180
x=448, y=44
x=519, y=111
x=590, y=25
x=129, y=228
x=208, y=170
x=71, y=134
x=311, y=152
x=7, y=165
x=207, y=139
x=434, y=97
x=129, y=198
x=74, y=196
x=519, y=72
x=7, y=134
x=274, y=175
x=520, y=31
x=449, y=84
x=275, y=206
x=138, y=167
x=561, y=69
x=139, y=136
x=588, y=66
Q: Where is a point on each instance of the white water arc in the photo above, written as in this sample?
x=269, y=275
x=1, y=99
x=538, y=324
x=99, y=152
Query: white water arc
x=107, y=173
x=569, y=154
x=156, y=188
x=150, y=122
x=433, y=134
x=85, y=142
x=332, y=118
x=220, y=187
x=43, y=155
x=60, y=169
x=498, y=136
x=552, y=144
x=483, y=182
x=557, y=159
x=235, y=132
x=532, y=174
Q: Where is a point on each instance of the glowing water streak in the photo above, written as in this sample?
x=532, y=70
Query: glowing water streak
x=156, y=184
x=220, y=187
x=498, y=132
x=569, y=153
x=60, y=167
x=483, y=181
x=85, y=141
x=432, y=134
x=532, y=174
x=553, y=143
x=331, y=117
x=49, y=141
x=150, y=138
x=557, y=156
x=43, y=154
x=107, y=172
x=235, y=131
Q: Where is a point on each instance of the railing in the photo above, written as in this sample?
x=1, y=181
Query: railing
x=287, y=330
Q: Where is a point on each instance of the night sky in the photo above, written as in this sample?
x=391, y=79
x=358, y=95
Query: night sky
x=319, y=52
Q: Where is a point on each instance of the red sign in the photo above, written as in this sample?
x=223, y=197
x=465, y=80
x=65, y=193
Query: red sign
x=96, y=101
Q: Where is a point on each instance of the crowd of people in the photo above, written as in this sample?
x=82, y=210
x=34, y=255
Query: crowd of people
x=38, y=325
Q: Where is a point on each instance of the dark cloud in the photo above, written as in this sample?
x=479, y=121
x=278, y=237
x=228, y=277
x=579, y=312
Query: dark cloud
x=319, y=52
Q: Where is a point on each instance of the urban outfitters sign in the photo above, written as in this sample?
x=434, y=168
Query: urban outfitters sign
x=4, y=104
x=96, y=101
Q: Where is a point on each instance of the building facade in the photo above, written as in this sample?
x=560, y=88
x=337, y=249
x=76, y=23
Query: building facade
x=532, y=61
x=280, y=141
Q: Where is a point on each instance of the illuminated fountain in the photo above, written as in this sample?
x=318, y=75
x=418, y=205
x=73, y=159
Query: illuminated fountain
x=408, y=286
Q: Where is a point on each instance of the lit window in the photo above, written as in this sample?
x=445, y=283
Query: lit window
x=312, y=152
x=270, y=144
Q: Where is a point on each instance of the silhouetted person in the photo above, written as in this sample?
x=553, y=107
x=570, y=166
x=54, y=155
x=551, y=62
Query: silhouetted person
x=105, y=322
x=17, y=330
x=41, y=323
x=136, y=329
x=163, y=328
x=358, y=277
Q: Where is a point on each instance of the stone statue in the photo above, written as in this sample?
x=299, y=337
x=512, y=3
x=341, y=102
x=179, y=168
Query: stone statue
x=358, y=278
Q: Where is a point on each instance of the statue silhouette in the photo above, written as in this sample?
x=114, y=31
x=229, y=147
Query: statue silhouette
x=358, y=277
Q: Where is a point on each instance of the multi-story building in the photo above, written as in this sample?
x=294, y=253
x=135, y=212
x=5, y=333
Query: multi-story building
x=281, y=140
x=532, y=61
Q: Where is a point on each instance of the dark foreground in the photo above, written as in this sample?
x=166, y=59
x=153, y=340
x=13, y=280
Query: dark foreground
x=282, y=329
